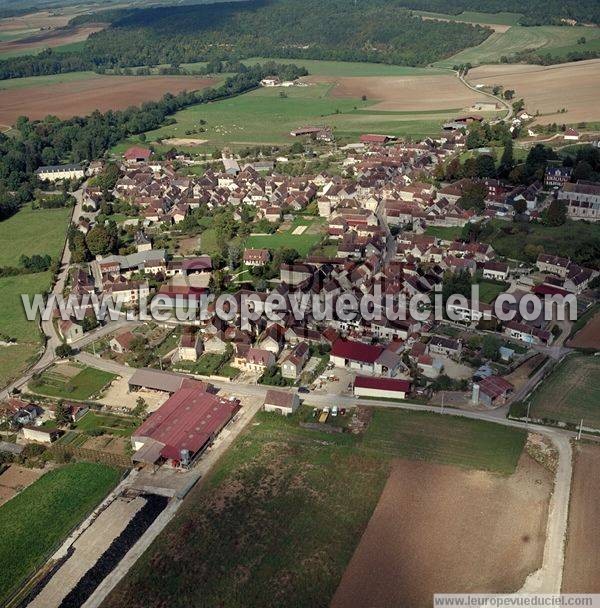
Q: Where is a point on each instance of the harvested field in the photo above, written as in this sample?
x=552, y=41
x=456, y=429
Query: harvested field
x=405, y=93
x=497, y=27
x=49, y=39
x=547, y=89
x=183, y=141
x=582, y=558
x=589, y=335
x=96, y=93
x=41, y=19
x=438, y=528
x=520, y=375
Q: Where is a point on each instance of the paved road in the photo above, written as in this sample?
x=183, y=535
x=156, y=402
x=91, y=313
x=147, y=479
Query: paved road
x=507, y=107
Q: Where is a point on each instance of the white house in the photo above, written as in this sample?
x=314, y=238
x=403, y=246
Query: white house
x=54, y=173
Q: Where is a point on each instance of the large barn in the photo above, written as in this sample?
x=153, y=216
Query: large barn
x=182, y=428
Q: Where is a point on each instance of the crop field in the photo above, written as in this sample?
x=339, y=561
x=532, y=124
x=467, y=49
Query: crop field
x=279, y=517
x=582, y=559
x=267, y=115
x=35, y=42
x=79, y=386
x=82, y=94
x=444, y=439
x=547, y=39
x=36, y=520
x=442, y=93
x=431, y=533
x=571, y=392
x=588, y=336
x=548, y=89
x=33, y=231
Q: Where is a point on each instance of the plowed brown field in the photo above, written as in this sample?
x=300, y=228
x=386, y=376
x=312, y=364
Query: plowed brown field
x=573, y=86
x=405, y=93
x=96, y=93
x=440, y=529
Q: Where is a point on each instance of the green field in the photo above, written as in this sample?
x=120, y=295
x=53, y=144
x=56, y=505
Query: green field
x=12, y=320
x=490, y=290
x=503, y=18
x=14, y=358
x=264, y=117
x=33, y=523
x=35, y=81
x=317, y=67
x=302, y=243
x=571, y=392
x=545, y=39
x=281, y=513
x=86, y=383
x=445, y=439
x=33, y=231
x=122, y=426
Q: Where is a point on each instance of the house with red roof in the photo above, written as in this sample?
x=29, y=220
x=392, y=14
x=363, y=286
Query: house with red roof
x=492, y=391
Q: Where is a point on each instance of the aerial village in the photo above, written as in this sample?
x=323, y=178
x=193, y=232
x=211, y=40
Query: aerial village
x=384, y=220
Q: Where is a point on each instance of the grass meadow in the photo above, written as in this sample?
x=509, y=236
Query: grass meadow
x=280, y=515
x=34, y=522
x=571, y=392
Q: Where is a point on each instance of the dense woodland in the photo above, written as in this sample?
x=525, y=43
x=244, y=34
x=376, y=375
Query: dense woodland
x=372, y=30
x=78, y=139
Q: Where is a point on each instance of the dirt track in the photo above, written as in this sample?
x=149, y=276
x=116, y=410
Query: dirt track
x=405, y=93
x=96, y=93
x=582, y=558
x=438, y=528
x=574, y=86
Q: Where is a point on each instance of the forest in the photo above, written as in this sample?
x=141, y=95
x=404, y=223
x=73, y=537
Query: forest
x=85, y=138
x=379, y=31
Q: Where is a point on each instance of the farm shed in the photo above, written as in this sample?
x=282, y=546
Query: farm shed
x=386, y=388
x=183, y=427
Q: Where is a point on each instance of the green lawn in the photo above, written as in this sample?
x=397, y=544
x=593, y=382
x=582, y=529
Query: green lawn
x=281, y=513
x=264, y=117
x=123, y=426
x=302, y=243
x=34, y=522
x=447, y=233
x=544, y=39
x=445, y=439
x=33, y=231
x=489, y=290
x=571, y=392
x=86, y=383
x=317, y=67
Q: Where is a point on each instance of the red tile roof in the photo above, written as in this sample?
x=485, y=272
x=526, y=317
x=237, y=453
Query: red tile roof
x=187, y=420
x=356, y=351
x=386, y=384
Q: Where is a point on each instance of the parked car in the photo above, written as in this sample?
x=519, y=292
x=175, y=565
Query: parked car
x=343, y=411
x=303, y=389
x=334, y=410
